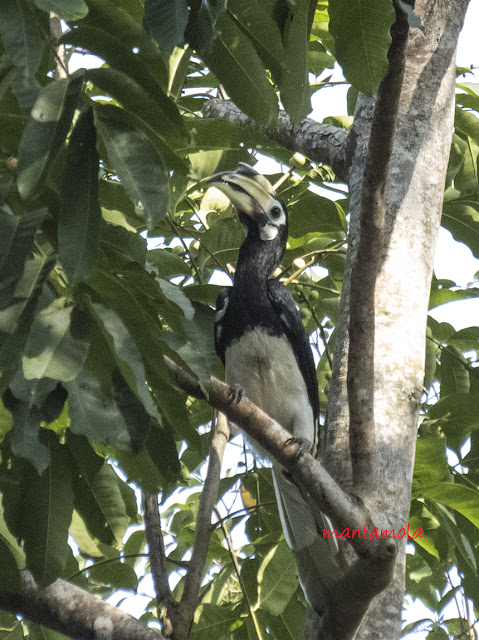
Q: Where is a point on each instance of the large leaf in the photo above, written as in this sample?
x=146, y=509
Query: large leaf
x=47, y=512
x=454, y=372
x=118, y=295
x=80, y=213
x=457, y=496
x=136, y=162
x=166, y=20
x=361, y=33
x=95, y=414
x=277, y=579
x=65, y=9
x=294, y=84
x=461, y=218
x=57, y=345
x=212, y=621
x=234, y=60
x=23, y=44
x=312, y=213
x=430, y=464
x=261, y=28
x=46, y=130
x=16, y=242
x=97, y=494
x=159, y=117
x=16, y=319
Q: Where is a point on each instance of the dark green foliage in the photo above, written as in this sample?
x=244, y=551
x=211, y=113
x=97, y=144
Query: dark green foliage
x=108, y=244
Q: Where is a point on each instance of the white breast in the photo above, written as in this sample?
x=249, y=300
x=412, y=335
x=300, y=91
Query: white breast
x=265, y=367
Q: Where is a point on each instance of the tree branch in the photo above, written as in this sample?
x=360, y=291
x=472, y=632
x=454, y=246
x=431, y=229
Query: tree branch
x=72, y=611
x=376, y=556
x=320, y=143
x=219, y=437
x=360, y=377
x=156, y=551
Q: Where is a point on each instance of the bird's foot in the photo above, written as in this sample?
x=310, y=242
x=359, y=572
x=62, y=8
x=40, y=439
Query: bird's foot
x=236, y=392
x=304, y=446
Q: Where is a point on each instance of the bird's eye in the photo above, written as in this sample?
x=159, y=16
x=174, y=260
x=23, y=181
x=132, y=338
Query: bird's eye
x=275, y=213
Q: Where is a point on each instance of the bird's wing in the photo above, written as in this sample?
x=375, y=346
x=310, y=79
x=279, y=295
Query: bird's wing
x=221, y=305
x=283, y=303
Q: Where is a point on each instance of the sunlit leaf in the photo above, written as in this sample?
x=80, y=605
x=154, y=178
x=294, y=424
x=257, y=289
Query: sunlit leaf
x=362, y=39
x=45, y=133
x=136, y=162
x=58, y=344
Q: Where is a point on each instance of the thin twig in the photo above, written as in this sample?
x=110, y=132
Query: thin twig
x=192, y=583
x=156, y=552
x=234, y=559
x=175, y=227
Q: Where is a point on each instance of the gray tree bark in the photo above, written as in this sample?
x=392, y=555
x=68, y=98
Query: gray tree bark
x=414, y=205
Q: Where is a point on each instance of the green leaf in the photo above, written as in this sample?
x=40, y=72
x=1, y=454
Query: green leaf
x=114, y=573
x=167, y=263
x=118, y=295
x=294, y=83
x=17, y=234
x=361, y=33
x=125, y=354
x=25, y=402
x=313, y=213
x=80, y=213
x=234, y=60
x=277, y=579
x=212, y=621
x=454, y=372
x=458, y=413
x=461, y=218
x=136, y=162
x=45, y=133
x=10, y=572
x=93, y=413
x=166, y=21
x=37, y=632
x=159, y=116
x=98, y=499
x=432, y=352
x=197, y=347
x=65, y=9
x=262, y=30
x=16, y=319
x=57, y=344
x=430, y=464
x=463, y=499
x=48, y=508
x=174, y=293
x=21, y=37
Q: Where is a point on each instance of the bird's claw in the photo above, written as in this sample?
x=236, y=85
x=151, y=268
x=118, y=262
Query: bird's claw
x=236, y=392
x=304, y=446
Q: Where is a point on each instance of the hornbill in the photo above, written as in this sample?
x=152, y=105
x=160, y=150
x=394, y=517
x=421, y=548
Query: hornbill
x=261, y=340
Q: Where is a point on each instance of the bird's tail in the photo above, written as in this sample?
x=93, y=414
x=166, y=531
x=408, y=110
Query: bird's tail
x=316, y=554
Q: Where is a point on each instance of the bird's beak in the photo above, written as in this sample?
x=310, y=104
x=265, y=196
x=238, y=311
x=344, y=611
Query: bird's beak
x=251, y=194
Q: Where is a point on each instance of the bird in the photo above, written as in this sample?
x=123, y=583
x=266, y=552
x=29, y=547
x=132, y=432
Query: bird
x=267, y=356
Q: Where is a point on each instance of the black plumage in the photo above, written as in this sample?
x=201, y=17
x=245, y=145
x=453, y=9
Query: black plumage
x=260, y=338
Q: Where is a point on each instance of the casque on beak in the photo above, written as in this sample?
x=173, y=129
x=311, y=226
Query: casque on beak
x=249, y=191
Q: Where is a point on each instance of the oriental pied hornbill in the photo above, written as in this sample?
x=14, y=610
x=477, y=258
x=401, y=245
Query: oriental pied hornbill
x=260, y=338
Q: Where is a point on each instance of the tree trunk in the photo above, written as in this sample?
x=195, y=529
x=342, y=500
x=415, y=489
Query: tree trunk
x=414, y=204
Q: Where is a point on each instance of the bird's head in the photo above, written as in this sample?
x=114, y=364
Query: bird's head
x=255, y=200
